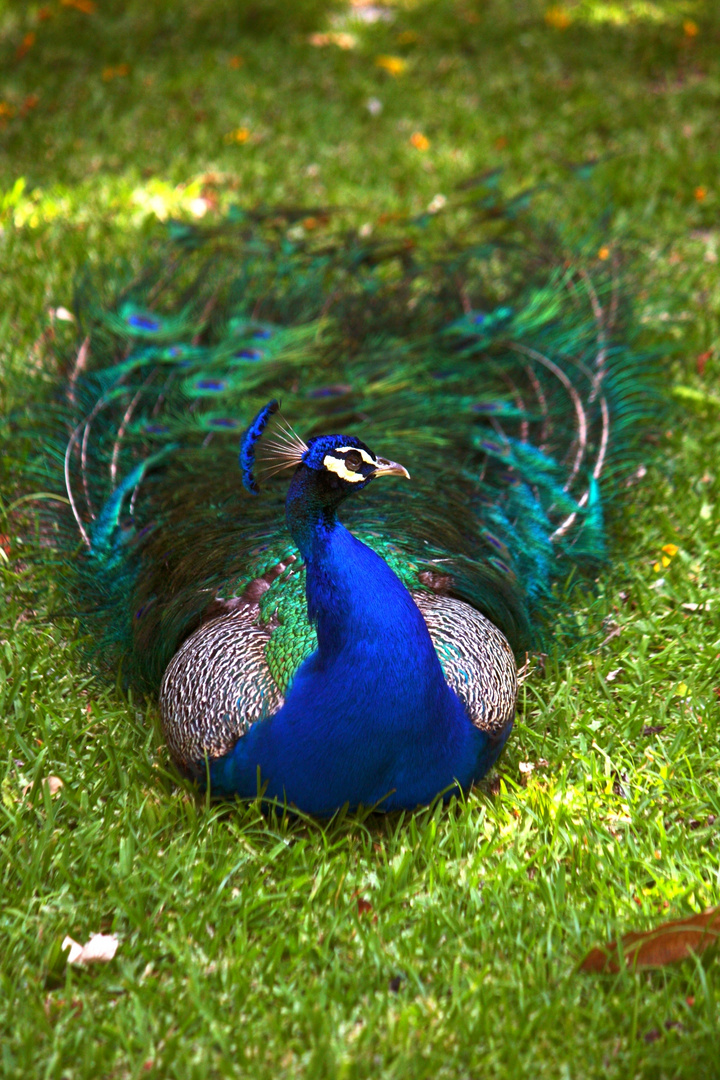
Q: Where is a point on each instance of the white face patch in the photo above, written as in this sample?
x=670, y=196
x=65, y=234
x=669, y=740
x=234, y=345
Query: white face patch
x=363, y=453
x=337, y=464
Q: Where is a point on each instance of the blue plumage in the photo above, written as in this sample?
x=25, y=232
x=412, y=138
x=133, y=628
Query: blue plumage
x=369, y=717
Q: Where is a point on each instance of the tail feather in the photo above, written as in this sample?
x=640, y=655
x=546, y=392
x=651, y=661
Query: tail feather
x=503, y=369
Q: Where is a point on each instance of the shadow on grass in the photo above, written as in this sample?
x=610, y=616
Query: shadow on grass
x=91, y=87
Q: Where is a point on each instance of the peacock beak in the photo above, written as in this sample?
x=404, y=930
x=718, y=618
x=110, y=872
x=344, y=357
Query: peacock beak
x=389, y=468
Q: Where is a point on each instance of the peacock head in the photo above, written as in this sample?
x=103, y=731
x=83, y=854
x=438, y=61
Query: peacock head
x=340, y=464
x=347, y=463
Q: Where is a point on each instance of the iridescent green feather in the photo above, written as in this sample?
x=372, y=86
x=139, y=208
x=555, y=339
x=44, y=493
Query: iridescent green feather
x=439, y=344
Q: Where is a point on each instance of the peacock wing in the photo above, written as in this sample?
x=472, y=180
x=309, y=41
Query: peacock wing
x=235, y=668
x=216, y=686
x=476, y=659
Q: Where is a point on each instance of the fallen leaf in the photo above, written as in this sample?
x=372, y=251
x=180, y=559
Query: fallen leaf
x=53, y=783
x=99, y=950
x=558, y=18
x=394, y=65
x=118, y=72
x=665, y=944
x=702, y=360
x=235, y=62
x=239, y=135
x=87, y=7
x=364, y=907
x=25, y=45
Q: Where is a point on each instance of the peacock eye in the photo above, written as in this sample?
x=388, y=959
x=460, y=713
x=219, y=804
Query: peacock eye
x=353, y=460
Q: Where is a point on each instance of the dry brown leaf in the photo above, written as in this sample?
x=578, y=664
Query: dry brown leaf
x=52, y=783
x=702, y=360
x=99, y=950
x=87, y=7
x=664, y=944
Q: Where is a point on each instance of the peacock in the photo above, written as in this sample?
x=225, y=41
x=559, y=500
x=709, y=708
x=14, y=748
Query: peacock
x=323, y=486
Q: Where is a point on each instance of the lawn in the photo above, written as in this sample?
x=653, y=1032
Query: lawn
x=444, y=943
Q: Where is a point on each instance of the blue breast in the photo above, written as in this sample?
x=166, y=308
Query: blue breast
x=369, y=717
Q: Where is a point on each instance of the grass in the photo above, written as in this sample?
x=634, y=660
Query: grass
x=440, y=944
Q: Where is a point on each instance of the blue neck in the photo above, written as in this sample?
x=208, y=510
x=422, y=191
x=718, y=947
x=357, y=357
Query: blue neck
x=369, y=717
x=342, y=574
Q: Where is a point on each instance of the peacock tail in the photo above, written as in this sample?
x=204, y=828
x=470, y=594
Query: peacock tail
x=501, y=361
